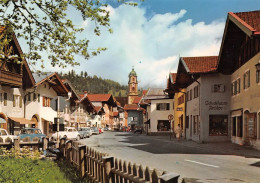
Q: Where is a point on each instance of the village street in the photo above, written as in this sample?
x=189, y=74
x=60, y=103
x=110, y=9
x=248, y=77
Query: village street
x=217, y=162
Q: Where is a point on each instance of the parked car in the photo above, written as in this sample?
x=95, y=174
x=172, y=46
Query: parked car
x=69, y=133
x=138, y=129
x=4, y=135
x=106, y=129
x=32, y=133
x=85, y=132
x=95, y=130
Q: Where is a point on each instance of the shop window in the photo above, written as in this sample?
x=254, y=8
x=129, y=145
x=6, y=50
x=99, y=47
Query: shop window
x=187, y=122
x=234, y=126
x=195, y=124
x=163, y=125
x=218, y=125
x=239, y=127
x=163, y=106
x=196, y=91
x=246, y=79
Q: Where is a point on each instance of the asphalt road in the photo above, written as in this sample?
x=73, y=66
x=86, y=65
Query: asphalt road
x=199, y=163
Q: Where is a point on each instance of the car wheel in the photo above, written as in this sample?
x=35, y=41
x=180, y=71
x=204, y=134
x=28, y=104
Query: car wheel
x=78, y=137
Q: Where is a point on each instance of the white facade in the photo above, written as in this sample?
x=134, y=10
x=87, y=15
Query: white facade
x=208, y=112
x=159, y=116
x=35, y=108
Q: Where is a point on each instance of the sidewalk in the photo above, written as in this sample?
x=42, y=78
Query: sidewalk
x=227, y=148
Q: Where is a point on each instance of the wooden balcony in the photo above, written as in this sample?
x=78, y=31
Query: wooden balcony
x=10, y=78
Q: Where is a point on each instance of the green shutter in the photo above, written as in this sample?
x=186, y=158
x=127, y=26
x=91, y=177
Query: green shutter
x=20, y=101
x=13, y=101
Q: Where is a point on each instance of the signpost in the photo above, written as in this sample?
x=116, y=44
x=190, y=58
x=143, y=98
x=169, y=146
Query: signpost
x=170, y=117
x=58, y=104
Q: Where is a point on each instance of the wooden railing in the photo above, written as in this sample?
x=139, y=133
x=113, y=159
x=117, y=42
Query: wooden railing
x=99, y=167
x=10, y=78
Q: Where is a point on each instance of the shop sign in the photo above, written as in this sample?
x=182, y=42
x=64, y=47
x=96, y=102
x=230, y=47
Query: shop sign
x=216, y=105
x=179, y=109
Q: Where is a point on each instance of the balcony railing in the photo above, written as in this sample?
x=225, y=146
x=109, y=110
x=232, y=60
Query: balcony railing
x=10, y=78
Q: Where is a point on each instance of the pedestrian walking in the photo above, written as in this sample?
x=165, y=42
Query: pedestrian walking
x=178, y=132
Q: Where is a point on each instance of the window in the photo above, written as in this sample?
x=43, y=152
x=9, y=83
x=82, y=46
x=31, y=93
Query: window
x=218, y=88
x=1, y=98
x=246, y=79
x=196, y=91
x=181, y=100
x=34, y=96
x=163, y=106
x=135, y=118
x=29, y=96
x=257, y=76
x=163, y=125
x=15, y=100
x=5, y=99
x=234, y=126
x=218, y=125
x=39, y=98
x=190, y=94
x=187, y=122
x=235, y=87
x=195, y=124
x=239, y=126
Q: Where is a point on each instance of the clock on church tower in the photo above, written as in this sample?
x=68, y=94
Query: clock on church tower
x=132, y=86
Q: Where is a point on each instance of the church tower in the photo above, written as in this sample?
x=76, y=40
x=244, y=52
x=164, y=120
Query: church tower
x=132, y=86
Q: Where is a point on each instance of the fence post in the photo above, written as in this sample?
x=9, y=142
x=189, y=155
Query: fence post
x=17, y=144
x=44, y=143
x=169, y=178
x=108, y=165
x=82, y=160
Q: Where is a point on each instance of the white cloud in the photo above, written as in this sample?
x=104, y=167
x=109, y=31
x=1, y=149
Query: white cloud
x=152, y=45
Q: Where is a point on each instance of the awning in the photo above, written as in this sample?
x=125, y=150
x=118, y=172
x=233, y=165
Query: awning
x=22, y=120
x=147, y=122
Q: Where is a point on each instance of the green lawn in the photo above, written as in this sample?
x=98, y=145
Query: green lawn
x=24, y=169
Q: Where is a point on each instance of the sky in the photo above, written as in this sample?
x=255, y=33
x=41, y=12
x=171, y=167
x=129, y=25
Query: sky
x=152, y=36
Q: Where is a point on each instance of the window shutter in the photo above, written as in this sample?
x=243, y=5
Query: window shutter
x=43, y=101
x=21, y=101
x=248, y=79
x=13, y=100
x=5, y=99
x=39, y=97
x=244, y=83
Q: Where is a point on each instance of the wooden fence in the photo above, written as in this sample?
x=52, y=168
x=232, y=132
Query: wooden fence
x=34, y=143
x=99, y=167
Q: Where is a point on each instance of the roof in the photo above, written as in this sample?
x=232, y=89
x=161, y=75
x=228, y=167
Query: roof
x=202, y=64
x=97, y=108
x=132, y=73
x=251, y=20
x=53, y=79
x=173, y=77
x=115, y=113
x=137, y=100
x=122, y=100
x=99, y=97
x=70, y=88
x=133, y=107
x=155, y=93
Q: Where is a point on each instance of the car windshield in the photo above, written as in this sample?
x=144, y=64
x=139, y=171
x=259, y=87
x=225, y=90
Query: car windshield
x=31, y=131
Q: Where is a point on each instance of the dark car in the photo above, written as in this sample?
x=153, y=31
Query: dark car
x=138, y=129
x=33, y=134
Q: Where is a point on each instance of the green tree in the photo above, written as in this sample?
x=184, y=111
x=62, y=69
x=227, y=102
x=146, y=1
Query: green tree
x=46, y=27
x=85, y=74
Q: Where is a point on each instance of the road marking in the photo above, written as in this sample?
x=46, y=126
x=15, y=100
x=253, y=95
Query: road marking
x=202, y=163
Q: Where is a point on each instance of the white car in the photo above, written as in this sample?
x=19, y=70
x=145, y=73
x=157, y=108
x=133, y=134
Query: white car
x=6, y=138
x=68, y=133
